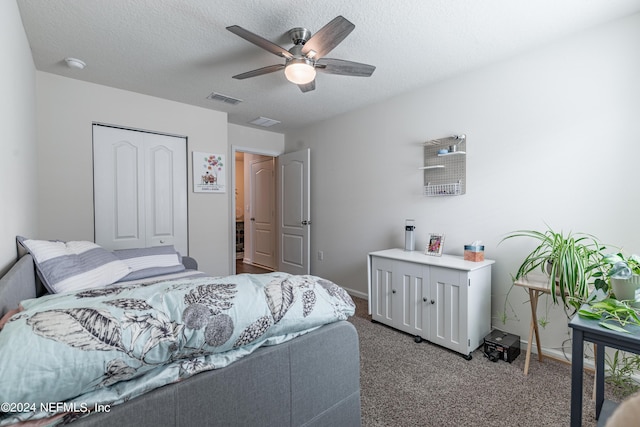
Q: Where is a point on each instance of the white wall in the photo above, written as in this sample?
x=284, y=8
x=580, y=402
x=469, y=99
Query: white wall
x=66, y=110
x=256, y=140
x=18, y=165
x=552, y=137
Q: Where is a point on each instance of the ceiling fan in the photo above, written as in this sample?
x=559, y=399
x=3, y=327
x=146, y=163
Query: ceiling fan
x=307, y=55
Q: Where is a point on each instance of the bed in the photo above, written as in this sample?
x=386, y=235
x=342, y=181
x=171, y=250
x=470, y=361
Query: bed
x=259, y=373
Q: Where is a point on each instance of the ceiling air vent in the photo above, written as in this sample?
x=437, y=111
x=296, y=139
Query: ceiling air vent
x=215, y=96
x=264, y=122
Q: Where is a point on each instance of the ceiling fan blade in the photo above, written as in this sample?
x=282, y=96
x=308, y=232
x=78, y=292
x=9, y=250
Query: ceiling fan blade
x=259, y=41
x=328, y=37
x=308, y=87
x=345, y=68
x=260, y=71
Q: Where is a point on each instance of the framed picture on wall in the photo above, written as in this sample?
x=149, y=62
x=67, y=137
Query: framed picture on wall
x=208, y=173
x=435, y=243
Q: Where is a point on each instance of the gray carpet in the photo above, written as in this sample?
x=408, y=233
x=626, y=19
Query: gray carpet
x=419, y=384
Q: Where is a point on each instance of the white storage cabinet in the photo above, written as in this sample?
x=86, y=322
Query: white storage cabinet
x=444, y=300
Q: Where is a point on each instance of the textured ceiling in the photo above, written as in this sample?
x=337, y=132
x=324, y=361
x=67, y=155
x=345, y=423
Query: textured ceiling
x=180, y=49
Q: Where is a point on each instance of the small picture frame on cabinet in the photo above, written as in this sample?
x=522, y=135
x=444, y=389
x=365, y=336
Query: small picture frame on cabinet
x=435, y=243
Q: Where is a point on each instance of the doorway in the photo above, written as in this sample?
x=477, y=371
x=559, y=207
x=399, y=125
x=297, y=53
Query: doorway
x=291, y=209
x=255, y=212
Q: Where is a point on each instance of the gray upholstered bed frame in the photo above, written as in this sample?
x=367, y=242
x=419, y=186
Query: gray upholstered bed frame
x=312, y=380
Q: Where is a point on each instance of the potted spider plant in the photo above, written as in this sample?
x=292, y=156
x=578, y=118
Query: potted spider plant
x=568, y=260
x=623, y=274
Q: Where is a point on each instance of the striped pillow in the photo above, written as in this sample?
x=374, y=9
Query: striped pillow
x=150, y=262
x=74, y=265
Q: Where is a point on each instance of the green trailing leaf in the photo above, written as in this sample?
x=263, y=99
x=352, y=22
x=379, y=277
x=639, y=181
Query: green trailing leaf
x=588, y=314
x=613, y=327
x=614, y=315
x=603, y=305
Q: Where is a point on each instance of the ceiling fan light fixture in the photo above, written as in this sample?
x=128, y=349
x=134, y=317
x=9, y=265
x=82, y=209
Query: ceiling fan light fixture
x=300, y=71
x=308, y=52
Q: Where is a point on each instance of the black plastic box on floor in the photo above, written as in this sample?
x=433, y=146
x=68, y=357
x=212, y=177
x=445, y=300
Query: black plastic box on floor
x=499, y=345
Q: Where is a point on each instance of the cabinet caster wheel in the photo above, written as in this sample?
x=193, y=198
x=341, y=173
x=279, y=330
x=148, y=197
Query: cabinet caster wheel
x=468, y=357
x=417, y=338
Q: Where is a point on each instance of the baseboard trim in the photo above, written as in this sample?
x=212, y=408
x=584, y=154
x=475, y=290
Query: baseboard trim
x=356, y=293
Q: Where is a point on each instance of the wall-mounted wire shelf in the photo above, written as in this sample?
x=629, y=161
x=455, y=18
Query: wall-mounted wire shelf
x=451, y=153
x=445, y=166
x=450, y=189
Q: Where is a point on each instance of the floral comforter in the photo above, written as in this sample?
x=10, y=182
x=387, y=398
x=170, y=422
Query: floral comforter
x=105, y=346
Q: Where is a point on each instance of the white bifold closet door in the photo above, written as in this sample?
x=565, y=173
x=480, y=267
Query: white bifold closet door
x=140, y=189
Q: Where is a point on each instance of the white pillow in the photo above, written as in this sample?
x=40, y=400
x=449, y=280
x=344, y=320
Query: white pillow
x=74, y=265
x=150, y=262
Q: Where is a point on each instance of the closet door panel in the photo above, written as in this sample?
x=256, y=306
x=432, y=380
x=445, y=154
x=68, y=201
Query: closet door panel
x=118, y=209
x=166, y=178
x=127, y=207
x=160, y=215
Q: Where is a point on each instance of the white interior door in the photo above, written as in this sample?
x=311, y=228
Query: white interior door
x=140, y=189
x=166, y=191
x=294, y=186
x=262, y=219
x=118, y=166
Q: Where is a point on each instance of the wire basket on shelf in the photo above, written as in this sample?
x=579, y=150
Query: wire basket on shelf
x=450, y=189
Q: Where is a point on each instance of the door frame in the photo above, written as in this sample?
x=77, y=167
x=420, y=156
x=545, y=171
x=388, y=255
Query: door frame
x=232, y=199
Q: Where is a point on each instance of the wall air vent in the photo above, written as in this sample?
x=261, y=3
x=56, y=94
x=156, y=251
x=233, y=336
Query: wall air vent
x=215, y=96
x=264, y=122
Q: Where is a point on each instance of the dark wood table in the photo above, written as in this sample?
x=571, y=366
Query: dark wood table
x=591, y=331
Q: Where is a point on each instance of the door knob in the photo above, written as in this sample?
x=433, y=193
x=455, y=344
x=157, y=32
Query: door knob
x=393, y=291
x=433, y=301
x=252, y=219
x=305, y=222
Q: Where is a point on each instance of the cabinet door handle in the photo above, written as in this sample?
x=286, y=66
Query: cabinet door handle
x=424, y=299
x=393, y=291
x=433, y=301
